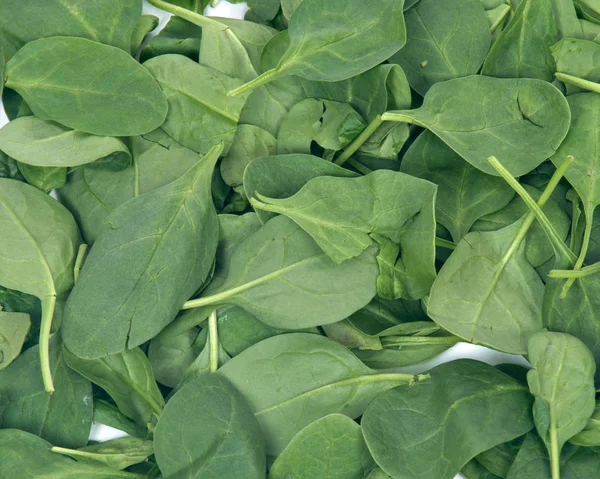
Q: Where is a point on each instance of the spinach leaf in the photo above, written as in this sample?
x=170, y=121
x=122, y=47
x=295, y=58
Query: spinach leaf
x=14, y=328
x=64, y=79
x=221, y=439
x=116, y=453
x=590, y=435
x=44, y=178
x=107, y=413
x=464, y=194
x=330, y=448
x=43, y=239
x=64, y=417
x=343, y=215
x=111, y=22
x=576, y=60
x=201, y=114
x=178, y=36
x=445, y=40
x=337, y=40
x=127, y=378
x=299, y=378
x=562, y=381
x=45, y=143
x=144, y=25
x=158, y=251
x=281, y=260
x=465, y=408
x=520, y=121
x=29, y=457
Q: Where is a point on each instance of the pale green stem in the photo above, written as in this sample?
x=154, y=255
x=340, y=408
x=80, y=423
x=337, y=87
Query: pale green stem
x=416, y=340
x=589, y=217
x=576, y=213
x=358, y=166
x=580, y=273
x=554, y=450
x=79, y=261
x=359, y=140
x=579, y=82
x=506, y=10
x=266, y=77
x=192, y=17
x=536, y=208
x=213, y=341
x=214, y=3
x=399, y=117
x=442, y=243
x=48, y=306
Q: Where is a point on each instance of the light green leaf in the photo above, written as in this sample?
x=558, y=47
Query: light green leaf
x=14, y=328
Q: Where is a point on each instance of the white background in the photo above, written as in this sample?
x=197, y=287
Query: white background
x=461, y=350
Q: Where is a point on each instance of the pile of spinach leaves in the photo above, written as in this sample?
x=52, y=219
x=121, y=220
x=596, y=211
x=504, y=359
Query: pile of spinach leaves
x=256, y=224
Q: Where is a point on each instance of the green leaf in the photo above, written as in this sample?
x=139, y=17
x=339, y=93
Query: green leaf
x=577, y=58
x=64, y=417
x=127, y=378
x=281, y=260
x=92, y=194
x=111, y=22
x=158, y=251
x=201, y=114
x=464, y=194
x=590, y=435
x=43, y=178
x=522, y=50
x=444, y=41
x=299, y=378
x=29, y=457
x=432, y=428
x=499, y=459
x=520, y=121
x=14, y=328
x=116, y=453
x=330, y=448
x=144, y=25
x=108, y=414
x=87, y=86
x=45, y=143
x=221, y=439
x=343, y=215
x=338, y=40
x=562, y=381
x=178, y=36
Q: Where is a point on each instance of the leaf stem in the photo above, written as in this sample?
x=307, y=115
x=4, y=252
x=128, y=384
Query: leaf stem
x=213, y=341
x=266, y=77
x=81, y=252
x=442, y=243
x=536, y=208
x=359, y=140
x=554, y=451
x=505, y=11
x=358, y=166
x=192, y=17
x=400, y=117
x=579, y=82
x=580, y=273
x=48, y=306
x=589, y=217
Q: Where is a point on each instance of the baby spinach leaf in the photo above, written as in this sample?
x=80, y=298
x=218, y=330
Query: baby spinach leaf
x=562, y=381
x=45, y=143
x=221, y=439
x=116, y=453
x=127, y=378
x=464, y=194
x=178, y=36
x=14, y=328
x=466, y=408
x=144, y=25
x=445, y=40
x=282, y=176
x=354, y=41
x=158, y=251
x=29, y=457
x=499, y=459
x=343, y=214
x=299, y=378
x=64, y=417
x=576, y=58
x=520, y=121
x=330, y=448
x=522, y=50
x=111, y=22
x=44, y=178
x=107, y=413
x=87, y=86
x=281, y=259
x=201, y=114
x=43, y=239
x=590, y=435
x=92, y=194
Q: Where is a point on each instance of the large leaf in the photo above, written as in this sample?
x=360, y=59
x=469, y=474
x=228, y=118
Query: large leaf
x=280, y=261
x=520, y=121
x=158, y=251
x=433, y=428
x=294, y=379
x=207, y=430
x=330, y=448
x=44, y=143
x=445, y=39
x=87, y=86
